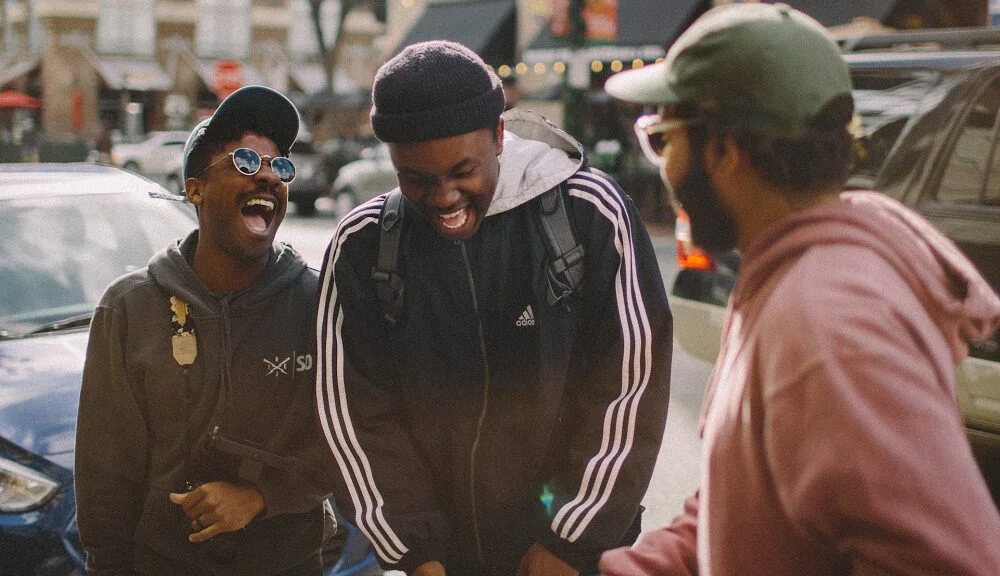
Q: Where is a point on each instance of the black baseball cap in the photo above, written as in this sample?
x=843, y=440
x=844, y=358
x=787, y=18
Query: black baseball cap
x=255, y=108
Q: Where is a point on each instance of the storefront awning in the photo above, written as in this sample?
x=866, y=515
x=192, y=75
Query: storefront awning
x=16, y=70
x=843, y=11
x=488, y=27
x=644, y=30
x=133, y=74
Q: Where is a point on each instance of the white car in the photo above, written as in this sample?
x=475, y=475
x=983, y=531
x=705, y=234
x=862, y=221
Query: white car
x=158, y=157
x=365, y=178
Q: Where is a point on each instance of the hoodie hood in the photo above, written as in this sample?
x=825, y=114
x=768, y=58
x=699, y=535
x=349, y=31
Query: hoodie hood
x=536, y=157
x=172, y=270
x=948, y=285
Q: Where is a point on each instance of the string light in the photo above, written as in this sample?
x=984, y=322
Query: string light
x=637, y=63
x=521, y=68
x=503, y=70
x=616, y=66
x=539, y=68
x=559, y=67
x=597, y=66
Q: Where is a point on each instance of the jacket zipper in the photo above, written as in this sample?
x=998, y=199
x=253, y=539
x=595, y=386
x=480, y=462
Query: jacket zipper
x=226, y=360
x=482, y=413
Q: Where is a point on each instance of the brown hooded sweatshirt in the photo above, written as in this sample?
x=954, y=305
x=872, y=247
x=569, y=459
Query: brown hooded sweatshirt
x=833, y=441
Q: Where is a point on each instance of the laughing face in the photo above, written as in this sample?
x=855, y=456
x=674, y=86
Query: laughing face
x=451, y=181
x=240, y=214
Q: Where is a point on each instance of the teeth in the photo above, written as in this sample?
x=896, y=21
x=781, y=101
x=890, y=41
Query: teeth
x=260, y=202
x=454, y=219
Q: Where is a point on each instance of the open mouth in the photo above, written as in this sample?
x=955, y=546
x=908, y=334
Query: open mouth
x=454, y=220
x=258, y=213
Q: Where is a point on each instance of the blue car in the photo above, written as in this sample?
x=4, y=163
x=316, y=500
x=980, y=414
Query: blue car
x=67, y=231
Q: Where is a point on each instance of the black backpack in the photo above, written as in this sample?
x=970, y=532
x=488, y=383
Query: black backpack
x=565, y=272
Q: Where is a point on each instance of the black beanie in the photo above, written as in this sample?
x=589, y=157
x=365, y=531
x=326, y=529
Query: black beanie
x=434, y=90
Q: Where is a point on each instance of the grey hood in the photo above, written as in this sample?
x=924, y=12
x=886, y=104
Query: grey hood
x=171, y=269
x=536, y=157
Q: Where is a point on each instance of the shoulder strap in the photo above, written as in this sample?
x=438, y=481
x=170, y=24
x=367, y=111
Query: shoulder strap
x=389, y=284
x=565, y=273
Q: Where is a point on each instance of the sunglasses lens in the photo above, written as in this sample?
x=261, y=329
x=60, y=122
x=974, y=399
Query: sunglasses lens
x=283, y=168
x=246, y=160
x=657, y=142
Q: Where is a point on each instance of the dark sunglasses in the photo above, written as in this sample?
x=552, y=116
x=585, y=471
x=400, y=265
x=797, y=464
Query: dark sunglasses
x=248, y=162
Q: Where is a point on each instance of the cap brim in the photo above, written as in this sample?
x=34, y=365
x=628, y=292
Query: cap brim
x=646, y=85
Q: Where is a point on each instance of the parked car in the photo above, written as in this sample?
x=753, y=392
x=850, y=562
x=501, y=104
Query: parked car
x=158, y=157
x=69, y=230
x=310, y=177
x=365, y=178
x=929, y=106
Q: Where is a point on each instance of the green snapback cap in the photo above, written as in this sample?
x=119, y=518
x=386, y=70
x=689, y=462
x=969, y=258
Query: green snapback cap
x=768, y=66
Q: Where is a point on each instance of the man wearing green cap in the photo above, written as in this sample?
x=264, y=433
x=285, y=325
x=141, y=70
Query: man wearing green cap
x=833, y=443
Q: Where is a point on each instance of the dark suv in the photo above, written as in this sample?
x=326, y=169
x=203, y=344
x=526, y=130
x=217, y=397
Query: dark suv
x=929, y=106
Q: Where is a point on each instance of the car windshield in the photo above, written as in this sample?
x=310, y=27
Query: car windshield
x=60, y=252
x=884, y=101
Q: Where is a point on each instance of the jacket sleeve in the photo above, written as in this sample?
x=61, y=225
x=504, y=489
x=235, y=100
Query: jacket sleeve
x=111, y=452
x=667, y=551
x=309, y=482
x=618, y=393
x=384, y=483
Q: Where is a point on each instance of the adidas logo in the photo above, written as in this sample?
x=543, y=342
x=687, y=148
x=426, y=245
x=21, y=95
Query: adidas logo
x=527, y=317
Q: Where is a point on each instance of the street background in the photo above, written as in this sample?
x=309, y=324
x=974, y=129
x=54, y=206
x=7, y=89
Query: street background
x=677, y=468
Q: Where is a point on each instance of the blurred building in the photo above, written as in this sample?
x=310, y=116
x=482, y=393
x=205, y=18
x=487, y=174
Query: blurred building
x=141, y=65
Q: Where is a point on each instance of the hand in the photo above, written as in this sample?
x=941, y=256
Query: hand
x=432, y=568
x=218, y=507
x=538, y=561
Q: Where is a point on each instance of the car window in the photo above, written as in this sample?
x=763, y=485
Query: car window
x=60, y=253
x=884, y=102
x=972, y=174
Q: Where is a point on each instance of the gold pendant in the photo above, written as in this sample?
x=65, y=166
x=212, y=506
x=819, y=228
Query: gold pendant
x=185, y=348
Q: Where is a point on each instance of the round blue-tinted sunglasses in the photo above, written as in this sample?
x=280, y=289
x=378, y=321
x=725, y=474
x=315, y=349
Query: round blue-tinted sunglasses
x=248, y=162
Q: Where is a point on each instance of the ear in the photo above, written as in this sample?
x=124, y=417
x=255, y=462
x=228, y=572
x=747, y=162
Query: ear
x=723, y=156
x=499, y=137
x=193, y=189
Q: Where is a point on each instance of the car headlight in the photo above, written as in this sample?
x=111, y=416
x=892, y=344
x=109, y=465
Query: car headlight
x=22, y=488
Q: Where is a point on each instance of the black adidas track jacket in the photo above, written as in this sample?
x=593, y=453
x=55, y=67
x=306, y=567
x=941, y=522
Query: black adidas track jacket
x=487, y=420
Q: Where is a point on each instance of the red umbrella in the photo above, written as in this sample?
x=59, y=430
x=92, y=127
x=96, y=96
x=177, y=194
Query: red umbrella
x=15, y=99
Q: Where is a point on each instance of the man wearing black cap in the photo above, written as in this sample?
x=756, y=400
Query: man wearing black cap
x=833, y=442
x=491, y=422
x=198, y=450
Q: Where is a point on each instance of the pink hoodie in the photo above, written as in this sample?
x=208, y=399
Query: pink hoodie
x=833, y=441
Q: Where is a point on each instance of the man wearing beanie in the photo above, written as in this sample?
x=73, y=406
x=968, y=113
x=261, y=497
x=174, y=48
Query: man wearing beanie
x=198, y=450
x=833, y=441
x=491, y=425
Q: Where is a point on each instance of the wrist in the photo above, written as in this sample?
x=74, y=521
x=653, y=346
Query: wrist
x=432, y=568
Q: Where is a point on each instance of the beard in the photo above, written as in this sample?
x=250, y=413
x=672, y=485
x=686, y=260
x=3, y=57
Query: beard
x=713, y=228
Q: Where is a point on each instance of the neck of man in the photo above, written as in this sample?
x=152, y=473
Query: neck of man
x=771, y=205
x=222, y=273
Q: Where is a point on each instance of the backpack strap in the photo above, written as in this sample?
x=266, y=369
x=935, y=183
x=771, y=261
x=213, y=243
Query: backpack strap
x=564, y=275
x=389, y=284
x=565, y=272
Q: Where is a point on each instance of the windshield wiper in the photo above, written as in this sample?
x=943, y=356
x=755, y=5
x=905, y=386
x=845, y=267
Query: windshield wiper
x=65, y=323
